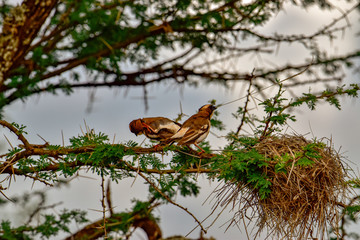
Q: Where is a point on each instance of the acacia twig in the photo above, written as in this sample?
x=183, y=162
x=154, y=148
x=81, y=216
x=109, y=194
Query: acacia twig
x=245, y=111
x=103, y=204
x=171, y=201
x=18, y=133
x=108, y=198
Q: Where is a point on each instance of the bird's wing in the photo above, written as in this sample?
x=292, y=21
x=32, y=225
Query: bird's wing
x=193, y=134
x=170, y=125
x=158, y=123
x=182, y=131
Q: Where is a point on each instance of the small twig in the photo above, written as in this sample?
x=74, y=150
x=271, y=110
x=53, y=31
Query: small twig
x=145, y=98
x=108, y=198
x=40, y=206
x=245, y=226
x=170, y=201
x=293, y=164
x=343, y=220
x=267, y=122
x=245, y=106
x=7, y=164
x=270, y=86
x=5, y=195
x=16, y=132
x=103, y=204
x=137, y=173
x=37, y=179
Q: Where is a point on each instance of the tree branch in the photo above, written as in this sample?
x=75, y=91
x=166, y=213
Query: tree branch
x=92, y=231
x=17, y=132
x=19, y=30
x=42, y=150
x=171, y=201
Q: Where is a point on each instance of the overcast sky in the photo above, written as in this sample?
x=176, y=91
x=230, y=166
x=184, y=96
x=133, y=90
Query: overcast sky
x=49, y=116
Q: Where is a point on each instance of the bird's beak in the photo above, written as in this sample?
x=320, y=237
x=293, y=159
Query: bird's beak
x=213, y=107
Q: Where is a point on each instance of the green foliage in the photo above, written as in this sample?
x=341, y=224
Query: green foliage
x=50, y=226
x=171, y=185
x=330, y=96
x=19, y=127
x=242, y=142
x=103, y=36
x=13, y=151
x=90, y=138
x=146, y=161
x=282, y=163
x=350, y=215
x=352, y=212
x=304, y=158
x=274, y=108
x=123, y=221
x=10, y=234
x=216, y=123
x=182, y=159
x=246, y=167
x=310, y=151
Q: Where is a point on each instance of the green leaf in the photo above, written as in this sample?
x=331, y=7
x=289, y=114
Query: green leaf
x=304, y=162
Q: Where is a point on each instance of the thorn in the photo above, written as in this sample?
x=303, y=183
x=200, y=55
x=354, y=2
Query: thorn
x=62, y=137
x=42, y=138
x=9, y=142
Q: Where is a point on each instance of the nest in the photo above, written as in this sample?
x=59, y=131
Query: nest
x=304, y=199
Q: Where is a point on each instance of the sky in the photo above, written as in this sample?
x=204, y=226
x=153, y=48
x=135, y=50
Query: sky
x=53, y=116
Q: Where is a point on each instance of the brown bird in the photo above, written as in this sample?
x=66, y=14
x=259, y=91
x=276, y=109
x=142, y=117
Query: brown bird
x=156, y=128
x=195, y=129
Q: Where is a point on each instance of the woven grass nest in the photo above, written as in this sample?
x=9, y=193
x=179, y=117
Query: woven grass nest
x=304, y=199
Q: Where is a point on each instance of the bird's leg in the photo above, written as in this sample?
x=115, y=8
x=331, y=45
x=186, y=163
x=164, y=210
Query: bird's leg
x=157, y=146
x=202, y=150
x=190, y=149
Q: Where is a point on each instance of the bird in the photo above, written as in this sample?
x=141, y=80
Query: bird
x=155, y=128
x=195, y=129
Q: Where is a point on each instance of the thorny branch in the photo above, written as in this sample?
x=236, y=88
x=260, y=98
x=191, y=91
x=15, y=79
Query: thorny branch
x=171, y=201
x=177, y=68
x=245, y=111
x=182, y=74
x=103, y=226
x=8, y=168
x=55, y=157
x=43, y=150
x=138, y=219
x=108, y=198
x=18, y=133
x=344, y=233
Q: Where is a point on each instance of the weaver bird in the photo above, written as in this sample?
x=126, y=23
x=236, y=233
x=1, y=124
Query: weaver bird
x=156, y=128
x=195, y=129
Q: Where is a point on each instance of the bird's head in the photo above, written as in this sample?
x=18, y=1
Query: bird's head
x=209, y=108
x=136, y=127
